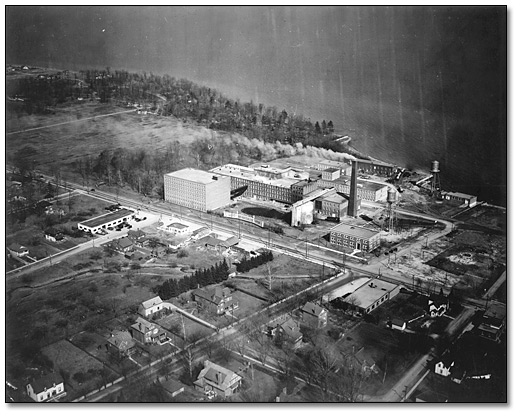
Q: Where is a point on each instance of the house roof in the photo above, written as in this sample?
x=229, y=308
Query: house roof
x=121, y=340
x=203, y=229
x=177, y=225
x=291, y=328
x=136, y=234
x=45, y=382
x=151, y=302
x=218, y=375
x=124, y=242
x=17, y=247
x=172, y=385
x=213, y=296
x=312, y=309
x=145, y=325
x=363, y=356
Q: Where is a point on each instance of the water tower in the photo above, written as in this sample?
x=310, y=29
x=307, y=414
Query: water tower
x=435, y=179
x=391, y=199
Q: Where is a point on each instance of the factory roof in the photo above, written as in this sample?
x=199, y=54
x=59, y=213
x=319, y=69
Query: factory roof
x=374, y=162
x=108, y=217
x=332, y=163
x=370, y=185
x=192, y=174
x=333, y=197
x=331, y=169
x=370, y=292
x=249, y=174
x=354, y=231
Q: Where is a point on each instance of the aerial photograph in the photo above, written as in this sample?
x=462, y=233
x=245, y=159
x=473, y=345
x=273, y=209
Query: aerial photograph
x=256, y=204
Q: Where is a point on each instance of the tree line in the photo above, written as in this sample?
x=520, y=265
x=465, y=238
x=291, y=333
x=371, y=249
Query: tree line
x=246, y=264
x=202, y=277
x=180, y=98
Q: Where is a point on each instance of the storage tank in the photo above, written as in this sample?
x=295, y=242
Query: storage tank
x=434, y=166
x=392, y=195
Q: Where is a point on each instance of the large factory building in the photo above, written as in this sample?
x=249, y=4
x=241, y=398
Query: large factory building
x=197, y=189
x=355, y=237
x=267, y=183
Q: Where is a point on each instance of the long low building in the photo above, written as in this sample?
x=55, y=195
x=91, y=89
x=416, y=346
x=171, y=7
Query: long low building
x=355, y=237
x=371, y=294
x=101, y=222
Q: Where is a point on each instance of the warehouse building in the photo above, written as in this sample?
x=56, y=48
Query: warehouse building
x=460, y=198
x=332, y=205
x=375, y=167
x=355, y=237
x=372, y=294
x=338, y=165
x=197, y=189
x=99, y=223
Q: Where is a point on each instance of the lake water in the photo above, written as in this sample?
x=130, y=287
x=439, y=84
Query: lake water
x=408, y=84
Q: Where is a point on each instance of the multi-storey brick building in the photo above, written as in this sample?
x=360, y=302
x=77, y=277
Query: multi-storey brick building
x=355, y=237
x=197, y=189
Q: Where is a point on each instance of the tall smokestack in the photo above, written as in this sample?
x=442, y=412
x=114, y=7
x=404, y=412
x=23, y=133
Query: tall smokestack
x=352, y=204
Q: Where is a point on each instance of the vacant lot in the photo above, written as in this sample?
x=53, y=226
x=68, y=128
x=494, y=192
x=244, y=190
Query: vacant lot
x=85, y=373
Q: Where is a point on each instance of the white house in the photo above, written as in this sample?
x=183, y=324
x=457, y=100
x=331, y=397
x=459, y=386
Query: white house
x=18, y=250
x=151, y=306
x=177, y=228
x=443, y=367
x=47, y=388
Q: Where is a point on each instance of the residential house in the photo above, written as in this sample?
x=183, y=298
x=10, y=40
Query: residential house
x=54, y=236
x=286, y=330
x=366, y=362
x=122, y=245
x=314, y=316
x=137, y=237
x=17, y=250
x=200, y=233
x=51, y=210
x=493, y=322
x=121, y=343
x=214, y=377
x=398, y=324
x=177, y=228
x=438, y=305
x=217, y=301
x=47, y=388
x=172, y=387
x=444, y=365
x=148, y=333
x=151, y=306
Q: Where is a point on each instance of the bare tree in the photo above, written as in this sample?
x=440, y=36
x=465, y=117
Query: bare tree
x=353, y=303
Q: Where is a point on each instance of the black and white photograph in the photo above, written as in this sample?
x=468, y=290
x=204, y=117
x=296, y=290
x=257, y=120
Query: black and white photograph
x=271, y=204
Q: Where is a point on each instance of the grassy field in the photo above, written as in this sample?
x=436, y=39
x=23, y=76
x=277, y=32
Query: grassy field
x=70, y=359
x=76, y=138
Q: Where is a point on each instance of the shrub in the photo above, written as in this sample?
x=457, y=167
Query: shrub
x=182, y=253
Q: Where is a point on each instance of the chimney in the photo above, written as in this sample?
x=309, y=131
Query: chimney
x=352, y=204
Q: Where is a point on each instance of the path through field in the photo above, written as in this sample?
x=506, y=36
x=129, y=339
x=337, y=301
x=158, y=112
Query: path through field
x=72, y=121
